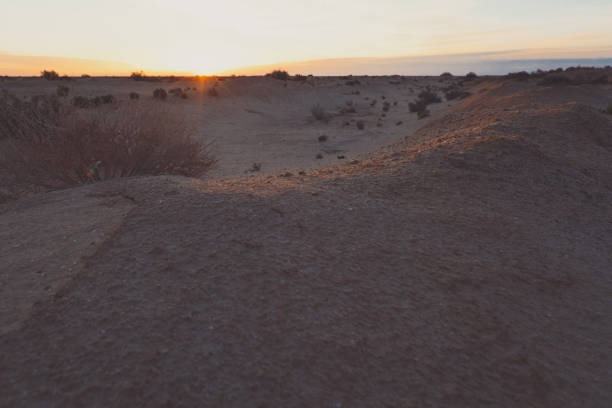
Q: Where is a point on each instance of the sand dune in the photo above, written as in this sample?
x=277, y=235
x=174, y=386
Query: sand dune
x=466, y=262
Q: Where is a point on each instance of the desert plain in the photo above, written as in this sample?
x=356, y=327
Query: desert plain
x=342, y=252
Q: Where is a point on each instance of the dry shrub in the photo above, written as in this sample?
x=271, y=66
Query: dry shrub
x=80, y=146
x=319, y=113
x=278, y=74
x=50, y=75
x=160, y=93
x=62, y=91
x=425, y=98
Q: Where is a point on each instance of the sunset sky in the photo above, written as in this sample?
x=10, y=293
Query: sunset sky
x=207, y=37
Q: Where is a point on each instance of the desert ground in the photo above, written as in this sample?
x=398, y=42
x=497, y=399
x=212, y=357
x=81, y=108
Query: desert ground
x=462, y=259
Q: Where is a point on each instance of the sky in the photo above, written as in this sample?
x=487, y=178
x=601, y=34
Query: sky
x=208, y=37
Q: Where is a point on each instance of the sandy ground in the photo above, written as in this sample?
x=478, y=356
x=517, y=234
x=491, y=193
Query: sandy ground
x=468, y=264
x=269, y=122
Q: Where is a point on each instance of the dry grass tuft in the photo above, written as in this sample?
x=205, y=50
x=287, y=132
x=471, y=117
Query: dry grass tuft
x=46, y=145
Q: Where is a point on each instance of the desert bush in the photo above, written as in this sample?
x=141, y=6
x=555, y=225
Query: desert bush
x=134, y=95
x=85, y=76
x=453, y=94
x=81, y=102
x=50, y=75
x=471, y=75
x=318, y=112
x=425, y=98
x=102, y=100
x=213, y=92
x=178, y=92
x=278, y=74
x=137, y=76
x=360, y=125
x=298, y=77
x=556, y=79
x=19, y=118
x=446, y=75
x=77, y=146
x=160, y=93
x=519, y=76
x=429, y=97
x=62, y=91
x=323, y=138
x=352, y=82
x=609, y=109
x=386, y=106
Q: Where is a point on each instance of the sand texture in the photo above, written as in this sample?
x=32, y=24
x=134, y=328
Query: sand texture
x=467, y=262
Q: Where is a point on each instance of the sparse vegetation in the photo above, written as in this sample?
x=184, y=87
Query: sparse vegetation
x=299, y=78
x=160, y=93
x=609, y=109
x=386, y=106
x=81, y=102
x=323, y=138
x=84, y=102
x=50, y=75
x=85, y=76
x=555, y=79
x=138, y=76
x=134, y=95
x=454, y=93
x=62, y=91
x=470, y=76
x=360, y=124
x=446, y=75
x=255, y=167
x=103, y=100
x=425, y=98
x=178, y=92
x=48, y=145
x=318, y=112
x=278, y=74
x=213, y=92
